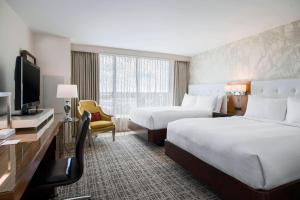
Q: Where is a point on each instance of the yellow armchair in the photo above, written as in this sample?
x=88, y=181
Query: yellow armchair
x=105, y=123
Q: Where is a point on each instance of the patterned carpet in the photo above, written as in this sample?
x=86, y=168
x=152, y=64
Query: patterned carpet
x=130, y=169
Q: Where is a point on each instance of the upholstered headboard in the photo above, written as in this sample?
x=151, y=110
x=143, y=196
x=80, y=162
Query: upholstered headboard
x=276, y=88
x=207, y=89
x=210, y=89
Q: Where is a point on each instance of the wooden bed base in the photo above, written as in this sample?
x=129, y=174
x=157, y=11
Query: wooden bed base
x=226, y=186
x=155, y=136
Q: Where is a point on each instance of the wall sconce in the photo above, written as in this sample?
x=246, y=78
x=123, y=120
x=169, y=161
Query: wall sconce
x=236, y=90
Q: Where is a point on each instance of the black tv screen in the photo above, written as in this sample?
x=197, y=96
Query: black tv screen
x=27, y=84
x=31, y=83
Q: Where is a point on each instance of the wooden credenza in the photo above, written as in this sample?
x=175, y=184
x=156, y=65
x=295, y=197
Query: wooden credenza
x=18, y=162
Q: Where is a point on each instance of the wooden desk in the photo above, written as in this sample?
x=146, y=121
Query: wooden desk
x=18, y=162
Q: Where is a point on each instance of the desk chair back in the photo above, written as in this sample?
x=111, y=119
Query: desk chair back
x=80, y=140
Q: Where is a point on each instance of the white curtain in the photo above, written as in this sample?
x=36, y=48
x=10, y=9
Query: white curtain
x=154, y=80
x=128, y=82
x=106, y=83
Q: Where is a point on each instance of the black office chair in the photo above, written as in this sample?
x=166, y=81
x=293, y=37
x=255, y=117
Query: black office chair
x=54, y=173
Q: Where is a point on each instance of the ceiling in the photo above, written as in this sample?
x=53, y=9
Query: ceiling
x=184, y=27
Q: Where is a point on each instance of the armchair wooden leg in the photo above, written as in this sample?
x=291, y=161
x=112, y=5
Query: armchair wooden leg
x=114, y=133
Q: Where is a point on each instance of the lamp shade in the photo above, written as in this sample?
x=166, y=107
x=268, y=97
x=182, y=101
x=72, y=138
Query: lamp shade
x=66, y=91
x=236, y=88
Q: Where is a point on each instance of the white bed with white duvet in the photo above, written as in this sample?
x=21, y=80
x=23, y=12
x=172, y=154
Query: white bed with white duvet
x=260, y=149
x=260, y=153
x=201, y=101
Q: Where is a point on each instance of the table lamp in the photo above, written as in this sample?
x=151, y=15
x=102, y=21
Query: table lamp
x=67, y=91
x=237, y=90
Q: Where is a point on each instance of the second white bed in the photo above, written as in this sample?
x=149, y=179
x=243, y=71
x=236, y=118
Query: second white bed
x=262, y=154
x=155, y=118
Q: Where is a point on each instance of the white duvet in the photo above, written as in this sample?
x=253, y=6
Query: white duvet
x=261, y=154
x=155, y=118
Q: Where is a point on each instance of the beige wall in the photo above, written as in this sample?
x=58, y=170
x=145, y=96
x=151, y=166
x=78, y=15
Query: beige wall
x=53, y=55
x=274, y=54
x=14, y=36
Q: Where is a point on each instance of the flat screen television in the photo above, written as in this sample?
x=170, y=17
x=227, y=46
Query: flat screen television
x=27, y=85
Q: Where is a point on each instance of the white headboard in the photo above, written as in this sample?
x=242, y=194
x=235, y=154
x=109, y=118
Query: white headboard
x=210, y=89
x=276, y=88
x=207, y=89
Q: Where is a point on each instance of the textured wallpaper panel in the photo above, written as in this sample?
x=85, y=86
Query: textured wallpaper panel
x=274, y=54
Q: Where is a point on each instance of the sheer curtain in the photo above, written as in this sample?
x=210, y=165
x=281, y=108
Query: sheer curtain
x=154, y=82
x=106, y=83
x=126, y=88
x=128, y=82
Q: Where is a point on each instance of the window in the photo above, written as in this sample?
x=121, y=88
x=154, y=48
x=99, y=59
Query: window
x=128, y=82
x=106, y=82
x=154, y=85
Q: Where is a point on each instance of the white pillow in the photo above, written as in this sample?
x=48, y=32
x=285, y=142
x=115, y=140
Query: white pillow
x=206, y=103
x=266, y=108
x=219, y=104
x=293, y=110
x=188, y=101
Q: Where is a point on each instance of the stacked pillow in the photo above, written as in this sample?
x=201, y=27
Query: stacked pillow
x=293, y=110
x=205, y=103
x=266, y=108
x=188, y=101
x=278, y=109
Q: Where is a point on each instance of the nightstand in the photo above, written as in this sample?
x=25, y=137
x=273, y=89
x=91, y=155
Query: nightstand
x=237, y=105
x=216, y=114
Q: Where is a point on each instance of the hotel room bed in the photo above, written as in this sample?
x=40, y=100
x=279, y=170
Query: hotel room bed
x=245, y=157
x=156, y=119
x=259, y=153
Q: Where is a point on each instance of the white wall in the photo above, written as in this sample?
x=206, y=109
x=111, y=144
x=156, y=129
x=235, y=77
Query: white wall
x=14, y=36
x=53, y=55
x=273, y=54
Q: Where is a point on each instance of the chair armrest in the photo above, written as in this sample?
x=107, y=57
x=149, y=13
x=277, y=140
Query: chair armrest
x=104, y=115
